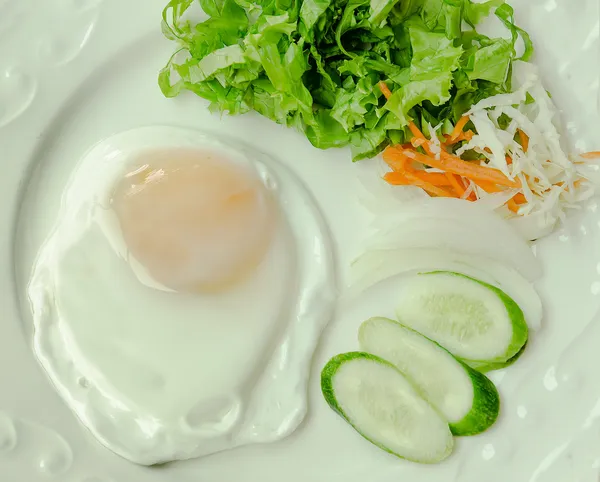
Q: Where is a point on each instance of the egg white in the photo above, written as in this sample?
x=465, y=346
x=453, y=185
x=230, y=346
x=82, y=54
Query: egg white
x=157, y=375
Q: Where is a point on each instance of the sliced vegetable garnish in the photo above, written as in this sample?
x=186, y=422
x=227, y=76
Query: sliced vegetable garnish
x=474, y=321
x=384, y=407
x=466, y=398
x=507, y=144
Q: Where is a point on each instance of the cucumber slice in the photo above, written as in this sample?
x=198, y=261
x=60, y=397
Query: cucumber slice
x=384, y=407
x=473, y=320
x=485, y=367
x=467, y=398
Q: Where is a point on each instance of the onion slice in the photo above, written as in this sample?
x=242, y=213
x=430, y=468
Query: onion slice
x=456, y=226
x=376, y=266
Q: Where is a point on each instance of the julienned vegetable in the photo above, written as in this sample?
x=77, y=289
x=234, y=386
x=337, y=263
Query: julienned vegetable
x=323, y=66
x=466, y=398
x=506, y=146
x=474, y=321
x=384, y=407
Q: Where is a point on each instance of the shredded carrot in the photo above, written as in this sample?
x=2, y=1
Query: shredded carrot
x=487, y=186
x=409, y=178
x=472, y=171
x=458, y=128
x=517, y=199
x=463, y=136
x=466, y=183
x=398, y=162
x=456, y=185
x=576, y=184
x=416, y=131
x=524, y=138
x=590, y=155
x=456, y=165
x=419, y=139
x=395, y=159
x=417, y=142
x=512, y=205
x=385, y=90
x=520, y=198
x=457, y=174
x=435, y=178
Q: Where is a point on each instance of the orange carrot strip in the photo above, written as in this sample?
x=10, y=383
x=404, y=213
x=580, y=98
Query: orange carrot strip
x=512, y=205
x=524, y=138
x=455, y=165
x=590, y=155
x=576, y=184
x=465, y=183
x=398, y=162
x=395, y=159
x=416, y=131
x=417, y=142
x=464, y=136
x=397, y=178
x=435, y=178
x=487, y=186
x=419, y=138
x=385, y=90
x=519, y=198
x=458, y=128
x=458, y=188
x=479, y=172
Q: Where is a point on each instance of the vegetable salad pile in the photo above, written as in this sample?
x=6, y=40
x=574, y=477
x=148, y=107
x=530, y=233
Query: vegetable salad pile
x=323, y=66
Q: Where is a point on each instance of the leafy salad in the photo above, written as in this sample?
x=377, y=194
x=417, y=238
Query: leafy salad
x=316, y=64
x=458, y=113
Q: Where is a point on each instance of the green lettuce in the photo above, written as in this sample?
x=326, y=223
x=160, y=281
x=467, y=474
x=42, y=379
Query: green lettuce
x=316, y=65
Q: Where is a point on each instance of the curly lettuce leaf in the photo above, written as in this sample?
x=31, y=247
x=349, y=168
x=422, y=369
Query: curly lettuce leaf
x=316, y=65
x=506, y=14
x=431, y=73
x=492, y=63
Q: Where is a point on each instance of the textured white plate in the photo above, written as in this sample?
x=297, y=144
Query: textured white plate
x=75, y=71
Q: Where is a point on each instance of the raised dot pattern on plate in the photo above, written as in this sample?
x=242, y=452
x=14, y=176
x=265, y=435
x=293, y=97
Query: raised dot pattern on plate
x=17, y=91
x=63, y=27
x=32, y=449
x=8, y=434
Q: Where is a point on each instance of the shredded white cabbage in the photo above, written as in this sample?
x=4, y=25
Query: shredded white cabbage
x=436, y=145
x=551, y=181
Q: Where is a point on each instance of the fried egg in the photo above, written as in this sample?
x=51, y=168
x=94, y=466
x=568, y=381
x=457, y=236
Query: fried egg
x=179, y=298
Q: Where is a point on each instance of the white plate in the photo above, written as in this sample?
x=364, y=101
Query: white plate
x=74, y=71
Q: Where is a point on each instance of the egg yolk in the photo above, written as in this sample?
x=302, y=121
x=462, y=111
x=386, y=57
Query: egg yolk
x=194, y=221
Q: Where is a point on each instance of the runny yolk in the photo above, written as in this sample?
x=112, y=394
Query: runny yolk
x=196, y=222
